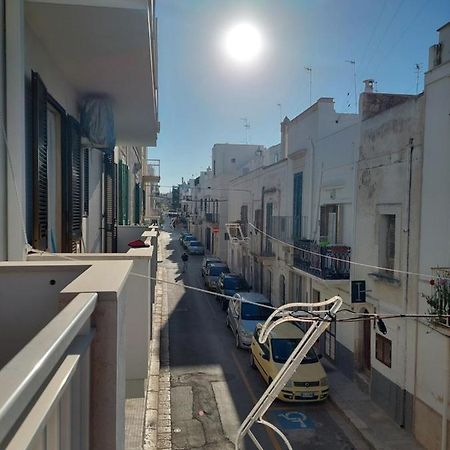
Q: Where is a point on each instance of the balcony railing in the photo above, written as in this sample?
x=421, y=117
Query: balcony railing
x=45, y=388
x=151, y=171
x=212, y=217
x=330, y=262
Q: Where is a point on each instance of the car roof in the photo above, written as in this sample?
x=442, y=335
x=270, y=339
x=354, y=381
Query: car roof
x=212, y=258
x=286, y=330
x=253, y=297
x=232, y=275
x=218, y=264
x=194, y=241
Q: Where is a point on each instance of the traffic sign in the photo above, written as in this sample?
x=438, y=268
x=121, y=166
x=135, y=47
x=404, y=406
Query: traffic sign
x=215, y=230
x=294, y=420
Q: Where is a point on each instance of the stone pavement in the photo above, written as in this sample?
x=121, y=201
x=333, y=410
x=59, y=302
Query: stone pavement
x=376, y=427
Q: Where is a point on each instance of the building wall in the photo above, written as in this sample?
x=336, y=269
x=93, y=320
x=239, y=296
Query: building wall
x=388, y=182
x=433, y=349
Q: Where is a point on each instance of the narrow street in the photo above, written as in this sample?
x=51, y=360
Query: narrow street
x=213, y=386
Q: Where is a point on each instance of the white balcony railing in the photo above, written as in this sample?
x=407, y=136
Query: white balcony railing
x=45, y=388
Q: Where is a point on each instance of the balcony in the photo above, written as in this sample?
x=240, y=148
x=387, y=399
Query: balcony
x=319, y=261
x=81, y=350
x=151, y=172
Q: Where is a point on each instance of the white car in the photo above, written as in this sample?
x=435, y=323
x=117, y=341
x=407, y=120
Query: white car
x=213, y=272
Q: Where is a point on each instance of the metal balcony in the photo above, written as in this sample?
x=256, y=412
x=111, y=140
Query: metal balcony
x=320, y=261
x=151, y=171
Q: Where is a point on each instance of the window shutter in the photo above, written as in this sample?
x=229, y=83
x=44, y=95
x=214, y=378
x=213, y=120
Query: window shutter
x=86, y=183
x=137, y=203
x=121, y=205
x=72, y=183
x=40, y=181
x=110, y=211
x=126, y=194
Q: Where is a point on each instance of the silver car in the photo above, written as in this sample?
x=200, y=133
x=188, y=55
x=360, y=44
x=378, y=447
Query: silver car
x=213, y=272
x=243, y=317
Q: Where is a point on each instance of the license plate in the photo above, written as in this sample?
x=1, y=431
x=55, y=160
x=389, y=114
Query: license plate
x=307, y=395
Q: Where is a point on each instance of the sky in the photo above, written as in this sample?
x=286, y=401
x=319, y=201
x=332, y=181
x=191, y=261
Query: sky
x=204, y=94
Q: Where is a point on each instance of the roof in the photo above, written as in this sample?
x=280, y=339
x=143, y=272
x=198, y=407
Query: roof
x=221, y=264
x=287, y=330
x=253, y=297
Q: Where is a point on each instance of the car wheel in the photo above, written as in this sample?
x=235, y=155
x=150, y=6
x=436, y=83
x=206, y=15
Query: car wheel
x=252, y=361
x=227, y=322
x=237, y=341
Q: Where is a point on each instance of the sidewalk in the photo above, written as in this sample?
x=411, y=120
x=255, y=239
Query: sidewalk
x=377, y=428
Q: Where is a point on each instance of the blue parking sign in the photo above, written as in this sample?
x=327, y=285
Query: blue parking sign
x=293, y=420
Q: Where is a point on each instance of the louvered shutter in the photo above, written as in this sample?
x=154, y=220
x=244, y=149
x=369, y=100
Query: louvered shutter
x=121, y=191
x=71, y=179
x=137, y=203
x=40, y=181
x=110, y=214
x=86, y=183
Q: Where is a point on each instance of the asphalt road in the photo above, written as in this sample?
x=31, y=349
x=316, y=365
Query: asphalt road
x=213, y=386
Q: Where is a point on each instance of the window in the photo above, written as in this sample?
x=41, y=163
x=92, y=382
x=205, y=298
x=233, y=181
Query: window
x=383, y=350
x=329, y=224
x=387, y=244
x=214, y=167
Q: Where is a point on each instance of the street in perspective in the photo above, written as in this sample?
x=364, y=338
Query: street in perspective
x=224, y=225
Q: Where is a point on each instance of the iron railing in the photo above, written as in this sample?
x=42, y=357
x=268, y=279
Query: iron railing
x=330, y=262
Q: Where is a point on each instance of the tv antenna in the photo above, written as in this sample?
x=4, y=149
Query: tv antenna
x=309, y=70
x=353, y=63
x=418, y=70
x=246, y=125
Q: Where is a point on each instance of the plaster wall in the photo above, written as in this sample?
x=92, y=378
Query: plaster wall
x=38, y=59
x=26, y=307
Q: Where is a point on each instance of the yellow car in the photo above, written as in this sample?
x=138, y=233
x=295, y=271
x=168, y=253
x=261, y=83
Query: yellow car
x=308, y=384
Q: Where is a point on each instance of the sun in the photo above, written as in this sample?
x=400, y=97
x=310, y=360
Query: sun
x=243, y=43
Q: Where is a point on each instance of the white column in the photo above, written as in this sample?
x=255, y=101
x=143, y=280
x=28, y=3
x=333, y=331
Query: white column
x=15, y=127
x=3, y=231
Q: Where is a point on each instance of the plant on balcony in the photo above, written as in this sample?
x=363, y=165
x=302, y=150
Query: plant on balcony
x=439, y=299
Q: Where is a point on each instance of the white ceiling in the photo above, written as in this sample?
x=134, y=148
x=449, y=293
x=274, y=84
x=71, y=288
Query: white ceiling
x=103, y=50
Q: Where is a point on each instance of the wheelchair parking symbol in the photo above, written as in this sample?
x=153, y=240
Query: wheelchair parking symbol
x=294, y=420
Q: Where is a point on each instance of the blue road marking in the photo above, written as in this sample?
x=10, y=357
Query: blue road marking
x=293, y=420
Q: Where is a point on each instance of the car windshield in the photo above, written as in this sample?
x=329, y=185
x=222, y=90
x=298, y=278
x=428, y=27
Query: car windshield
x=282, y=349
x=254, y=312
x=189, y=238
x=234, y=283
x=195, y=244
x=215, y=271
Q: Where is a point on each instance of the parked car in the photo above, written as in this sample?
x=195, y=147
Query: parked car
x=195, y=248
x=229, y=284
x=186, y=239
x=243, y=317
x=183, y=234
x=309, y=383
x=207, y=260
x=213, y=272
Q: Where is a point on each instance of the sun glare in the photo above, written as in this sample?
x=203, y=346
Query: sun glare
x=243, y=42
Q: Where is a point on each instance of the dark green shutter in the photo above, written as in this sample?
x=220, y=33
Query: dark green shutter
x=120, y=213
x=86, y=183
x=40, y=181
x=137, y=204
x=126, y=194
x=71, y=179
x=110, y=210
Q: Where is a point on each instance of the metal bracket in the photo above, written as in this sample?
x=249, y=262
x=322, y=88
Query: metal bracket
x=320, y=320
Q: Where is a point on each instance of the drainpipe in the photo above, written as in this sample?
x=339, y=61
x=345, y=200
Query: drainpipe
x=405, y=303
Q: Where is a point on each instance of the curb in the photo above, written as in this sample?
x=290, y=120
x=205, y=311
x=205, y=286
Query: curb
x=157, y=422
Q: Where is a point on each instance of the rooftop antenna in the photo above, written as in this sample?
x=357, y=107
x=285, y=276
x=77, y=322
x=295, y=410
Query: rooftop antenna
x=246, y=125
x=281, y=115
x=353, y=63
x=309, y=70
x=418, y=70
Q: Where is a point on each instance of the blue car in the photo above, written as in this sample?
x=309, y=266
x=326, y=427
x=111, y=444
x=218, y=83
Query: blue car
x=229, y=284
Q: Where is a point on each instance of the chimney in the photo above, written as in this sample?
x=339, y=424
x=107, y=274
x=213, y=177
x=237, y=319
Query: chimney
x=368, y=85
